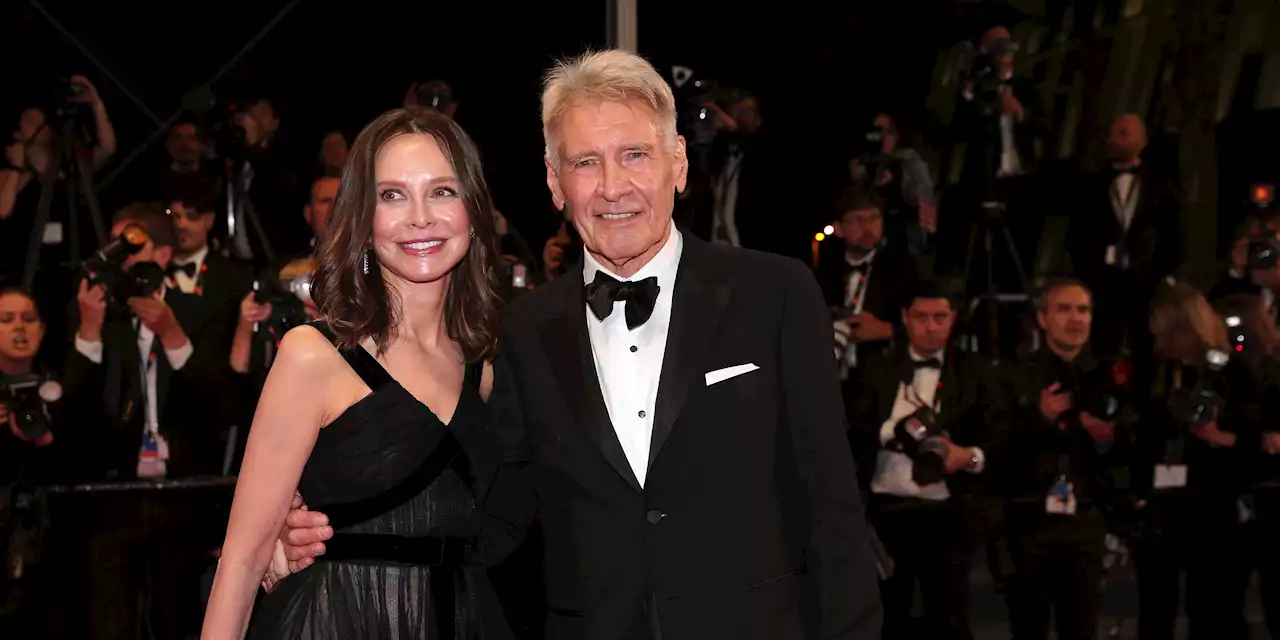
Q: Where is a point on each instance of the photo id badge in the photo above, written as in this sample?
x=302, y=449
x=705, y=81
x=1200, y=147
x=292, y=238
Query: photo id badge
x=52, y=233
x=1111, y=255
x=1170, y=476
x=150, y=463
x=1061, y=499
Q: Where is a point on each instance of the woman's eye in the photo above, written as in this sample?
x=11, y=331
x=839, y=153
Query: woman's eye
x=444, y=192
x=390, y=195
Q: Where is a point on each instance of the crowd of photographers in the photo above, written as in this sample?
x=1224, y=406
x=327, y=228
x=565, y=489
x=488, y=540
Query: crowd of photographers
x=1114, y=409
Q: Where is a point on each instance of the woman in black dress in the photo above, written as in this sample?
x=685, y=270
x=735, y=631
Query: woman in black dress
x=377, y=413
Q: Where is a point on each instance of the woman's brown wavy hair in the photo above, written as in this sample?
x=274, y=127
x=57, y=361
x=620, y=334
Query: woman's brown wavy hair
x=358, y=306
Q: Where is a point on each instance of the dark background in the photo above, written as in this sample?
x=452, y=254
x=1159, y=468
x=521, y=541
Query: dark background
x=818, y=69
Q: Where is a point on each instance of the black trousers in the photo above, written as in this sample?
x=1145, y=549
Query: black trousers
x=1204, y=538
x=1057, y=567
x=932, y=543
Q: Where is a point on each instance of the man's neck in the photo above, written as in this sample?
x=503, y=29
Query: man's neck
x=922, y=354
x=186, y=256
x=1068, y=354
x=15, y=366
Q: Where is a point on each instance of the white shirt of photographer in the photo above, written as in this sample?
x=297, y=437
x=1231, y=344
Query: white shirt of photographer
x=893, y=469
x=146, y=339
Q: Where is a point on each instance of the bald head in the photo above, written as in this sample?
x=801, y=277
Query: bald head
x=1127, y=140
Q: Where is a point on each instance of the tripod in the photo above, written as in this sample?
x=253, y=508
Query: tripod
x=989, y=225
x=70, y=157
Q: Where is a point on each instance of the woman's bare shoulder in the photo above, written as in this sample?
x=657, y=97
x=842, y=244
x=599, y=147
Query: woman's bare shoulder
x=486, y=380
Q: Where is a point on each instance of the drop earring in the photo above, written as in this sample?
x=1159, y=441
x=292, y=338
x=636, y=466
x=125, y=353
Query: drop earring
x=473, y=233
x=366, y=262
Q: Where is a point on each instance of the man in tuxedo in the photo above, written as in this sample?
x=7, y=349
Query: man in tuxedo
x=930, y=522
x=861, y=284
x=1124, y=238
x=671, y=406
x=141, y=379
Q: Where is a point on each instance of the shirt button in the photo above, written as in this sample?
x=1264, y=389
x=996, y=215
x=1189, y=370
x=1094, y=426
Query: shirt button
x=642, y=413
x=634, y=348
x=654, y=516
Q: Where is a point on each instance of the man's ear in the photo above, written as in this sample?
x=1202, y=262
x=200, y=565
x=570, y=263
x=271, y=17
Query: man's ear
x=682, y=164
x=553, y=183
x=308, y=214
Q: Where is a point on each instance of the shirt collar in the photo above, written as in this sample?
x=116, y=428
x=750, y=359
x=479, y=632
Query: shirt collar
x=865, y=259
x=941, y=356
x=196, y=258
x=663, y=265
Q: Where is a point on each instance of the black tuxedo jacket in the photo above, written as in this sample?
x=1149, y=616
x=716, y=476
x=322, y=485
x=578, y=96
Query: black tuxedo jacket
x=1153, y=241
x=750, y=512
x=99, y=445
x=981, y=133
x=968, y=411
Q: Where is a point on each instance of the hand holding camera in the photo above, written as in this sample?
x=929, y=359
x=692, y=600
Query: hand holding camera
x=157, y=316
x=1214, y=435
x=1054, y=402
x=1101, y=430
x=23, y=400
x=251, y=312
x=92, y=301
x=865, y=327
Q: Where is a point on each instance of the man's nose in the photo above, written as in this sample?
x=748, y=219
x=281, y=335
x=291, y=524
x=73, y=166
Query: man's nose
x=615, y=181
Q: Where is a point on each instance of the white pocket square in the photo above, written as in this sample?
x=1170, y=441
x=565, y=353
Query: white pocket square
x=720, y=375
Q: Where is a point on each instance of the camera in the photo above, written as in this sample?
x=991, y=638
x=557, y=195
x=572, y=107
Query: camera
x=1102, y=400
x=26, y=396
x=982, y=68
x=105, y=267
x=1198, y=406
x=287, y=292
x=433, y=95
x=73, y=112
x=695, y=121
x=919, y=437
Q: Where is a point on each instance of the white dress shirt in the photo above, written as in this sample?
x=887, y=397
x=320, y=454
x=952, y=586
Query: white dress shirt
x=893, y=469
x=724, y=222
x=177, y=359
x=1124, y=199
x=629, y=362
x=188, y=283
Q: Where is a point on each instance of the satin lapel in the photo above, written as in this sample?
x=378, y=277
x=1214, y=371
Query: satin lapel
x=564, y=335
x=696, y=305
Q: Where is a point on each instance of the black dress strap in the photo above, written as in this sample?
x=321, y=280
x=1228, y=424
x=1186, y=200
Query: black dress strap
x=361, y=361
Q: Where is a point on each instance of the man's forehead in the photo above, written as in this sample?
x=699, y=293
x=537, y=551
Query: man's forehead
x=931, y=305
x=598, y=122
x=1070, y=294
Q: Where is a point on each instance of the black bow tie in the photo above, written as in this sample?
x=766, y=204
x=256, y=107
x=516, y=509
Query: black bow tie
x=931, y=363
x=188, y=268
x=640, y=297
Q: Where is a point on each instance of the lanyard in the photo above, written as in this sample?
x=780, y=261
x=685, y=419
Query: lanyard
x=856, y=293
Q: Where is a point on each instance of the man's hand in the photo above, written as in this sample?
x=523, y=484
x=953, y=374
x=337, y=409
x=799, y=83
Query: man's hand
x=929, y=216
x=958, y=458
x=92, y=301
x=251, y=311
x=1215, y=436
x=1009, y=105
x=868, y=328
x=90, y=95
x=303, y=536
x=553, y=253
x=1101, y=430
x=158, y=317
x=1271, y=442
x=1053, y=402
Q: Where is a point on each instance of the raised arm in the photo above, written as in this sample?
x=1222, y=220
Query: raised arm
x=839, y=551
x=288, y=419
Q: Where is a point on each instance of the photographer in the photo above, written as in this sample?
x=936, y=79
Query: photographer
x=1063, y=426
x=900, y=177
x=1251, y=328
x=1187, y=472
x=145, y=377
x=922, y=424
x=272, y=187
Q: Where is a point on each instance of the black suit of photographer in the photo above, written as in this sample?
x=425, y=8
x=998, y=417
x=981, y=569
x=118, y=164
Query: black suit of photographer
x=1196, y=527
x=930, y=540
x=1057, y=558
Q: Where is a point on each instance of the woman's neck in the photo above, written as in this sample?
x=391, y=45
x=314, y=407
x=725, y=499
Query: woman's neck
x=422, y=313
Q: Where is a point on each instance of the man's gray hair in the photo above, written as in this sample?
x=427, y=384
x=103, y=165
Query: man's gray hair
x=606, y=76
